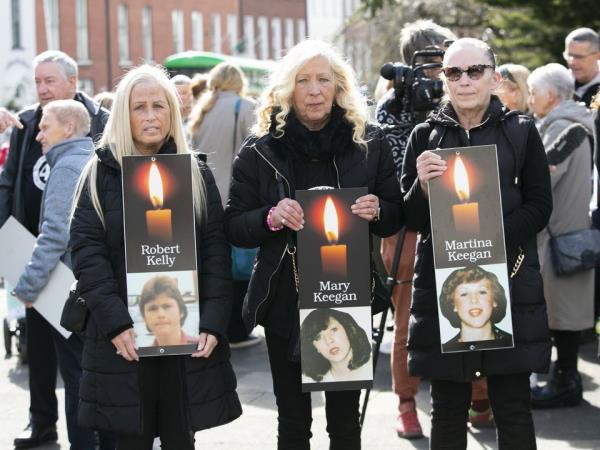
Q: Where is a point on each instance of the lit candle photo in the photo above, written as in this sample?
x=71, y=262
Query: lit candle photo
x=333, y=256
x=158, y=220
x=465, y=214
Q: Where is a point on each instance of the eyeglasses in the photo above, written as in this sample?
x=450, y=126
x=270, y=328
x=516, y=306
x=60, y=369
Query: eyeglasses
x=505, y=74
x=569, y=56
x=474, y=72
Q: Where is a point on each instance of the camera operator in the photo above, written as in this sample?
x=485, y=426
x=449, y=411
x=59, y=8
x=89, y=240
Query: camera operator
x=415, y=91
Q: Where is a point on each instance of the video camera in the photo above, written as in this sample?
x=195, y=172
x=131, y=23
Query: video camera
x=414, y=90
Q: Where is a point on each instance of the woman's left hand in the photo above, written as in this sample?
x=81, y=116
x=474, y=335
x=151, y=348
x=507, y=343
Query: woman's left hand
x=366, y=207
x=206, y=344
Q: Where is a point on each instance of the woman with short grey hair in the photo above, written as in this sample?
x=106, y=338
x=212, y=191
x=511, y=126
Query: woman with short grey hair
x=565, y=127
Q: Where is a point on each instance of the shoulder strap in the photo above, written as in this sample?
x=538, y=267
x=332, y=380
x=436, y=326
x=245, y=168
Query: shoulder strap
x=566, y=143
x=518, y=141
x=435, y=136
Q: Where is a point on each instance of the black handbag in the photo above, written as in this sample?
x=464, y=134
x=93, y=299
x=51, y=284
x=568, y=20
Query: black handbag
x=75, y=312
x=575, y=251
x=380, y=294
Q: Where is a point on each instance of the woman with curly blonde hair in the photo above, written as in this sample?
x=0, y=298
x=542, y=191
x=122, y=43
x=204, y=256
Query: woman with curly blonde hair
x=311, y=131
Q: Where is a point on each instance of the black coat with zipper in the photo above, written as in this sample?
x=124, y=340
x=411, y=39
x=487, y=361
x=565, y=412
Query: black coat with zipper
x=255, y=189
x=110, y=385
x=526, y=207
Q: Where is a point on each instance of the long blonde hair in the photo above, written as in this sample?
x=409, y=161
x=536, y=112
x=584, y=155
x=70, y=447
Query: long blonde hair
x=118, y=138
x=223, y=77
x=515, y=76
x=282, y=81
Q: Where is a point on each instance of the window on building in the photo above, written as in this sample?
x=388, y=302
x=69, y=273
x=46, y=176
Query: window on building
x=289, y=34
x=86, y=85
x=197, y=31
x=15, y=11
x=81, y=24
x=276, y=36
x=301, y=29
x=249, y=43
x=263, y=37
x=232, y=33
x=52, y=24
x=123, y=23
x=147, y=33
x=216, y=33
x=178, y=31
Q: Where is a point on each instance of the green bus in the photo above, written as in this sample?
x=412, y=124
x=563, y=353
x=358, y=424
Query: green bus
x=192, y=62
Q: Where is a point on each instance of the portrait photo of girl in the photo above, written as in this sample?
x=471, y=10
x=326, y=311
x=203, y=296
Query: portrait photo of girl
x=474, y=301
x=334, y=347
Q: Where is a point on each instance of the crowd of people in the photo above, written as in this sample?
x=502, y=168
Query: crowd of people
x=311, y=127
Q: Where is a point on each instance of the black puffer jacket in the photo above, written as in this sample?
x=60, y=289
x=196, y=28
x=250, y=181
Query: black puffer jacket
x=526, y=206
x=110, y=385
x=254, y=190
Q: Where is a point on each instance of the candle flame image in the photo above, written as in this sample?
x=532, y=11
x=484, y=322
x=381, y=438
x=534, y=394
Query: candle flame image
x=155, y=187
x=461, y=180
x=330, y=219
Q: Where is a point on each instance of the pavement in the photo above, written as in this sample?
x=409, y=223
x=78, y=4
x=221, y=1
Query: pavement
x=568, y=428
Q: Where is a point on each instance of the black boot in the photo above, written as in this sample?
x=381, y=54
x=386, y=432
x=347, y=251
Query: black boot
x=563, y=389
x=35, y=435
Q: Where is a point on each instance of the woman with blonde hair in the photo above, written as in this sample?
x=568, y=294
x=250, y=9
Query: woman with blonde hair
x=311, y=131
x=513, y=90
x=164, y=396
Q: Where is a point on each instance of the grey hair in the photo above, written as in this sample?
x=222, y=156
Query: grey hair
x=66, y=63
x=70, y=111
x=552, y=77
x=420, y=34
x=179, y=80
x=584, y=35
x=472, y=42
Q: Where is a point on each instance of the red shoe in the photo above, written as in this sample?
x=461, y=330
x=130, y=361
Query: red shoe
x=481, y=419
x=407, y=425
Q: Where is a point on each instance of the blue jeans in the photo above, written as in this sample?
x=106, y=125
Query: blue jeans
x=510, y=399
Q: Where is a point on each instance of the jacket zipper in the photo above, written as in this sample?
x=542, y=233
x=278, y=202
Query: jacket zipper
x=286, y=245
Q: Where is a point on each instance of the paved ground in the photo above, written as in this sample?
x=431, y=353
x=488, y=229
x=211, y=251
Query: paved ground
x=572, y=428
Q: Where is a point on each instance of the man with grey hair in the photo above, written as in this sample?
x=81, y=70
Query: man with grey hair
x=582, y=52
x=183, y=84
x=22, y=183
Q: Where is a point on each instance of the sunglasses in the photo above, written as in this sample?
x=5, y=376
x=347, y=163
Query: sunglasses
x=474, y=72
x=505, y=73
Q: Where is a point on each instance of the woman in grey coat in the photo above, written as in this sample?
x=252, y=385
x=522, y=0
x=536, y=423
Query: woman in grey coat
x=565, y=127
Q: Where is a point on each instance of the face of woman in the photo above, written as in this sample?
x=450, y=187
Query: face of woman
x=162, y=315
x=510, y=95
x=313, y=94
x=470, y=93
x=150, y=117
x=474, y=302
x=540, y=103
x=333, y=343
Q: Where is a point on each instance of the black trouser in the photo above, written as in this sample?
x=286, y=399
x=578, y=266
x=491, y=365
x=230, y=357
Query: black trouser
x=567, y=348
x=46, y=347
x=510, y=401
x=237, y=330
x=294, y=412
x=163, y=408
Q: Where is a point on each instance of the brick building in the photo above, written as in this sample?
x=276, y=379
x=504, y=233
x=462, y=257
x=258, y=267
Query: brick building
x=108, y=36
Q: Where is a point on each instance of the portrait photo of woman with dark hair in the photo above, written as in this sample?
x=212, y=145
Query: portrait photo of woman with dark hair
x=163, y=309
x=334, y=347
x=474, y=301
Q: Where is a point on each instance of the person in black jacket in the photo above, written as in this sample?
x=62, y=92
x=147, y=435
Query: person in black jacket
x=169, y=396
x=312, y=131
x=473, y=116
x=22, y=184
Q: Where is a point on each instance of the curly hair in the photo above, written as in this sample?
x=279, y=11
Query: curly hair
x=469, y=275
x=162, y=284
x=314, y=365
x=277, y=97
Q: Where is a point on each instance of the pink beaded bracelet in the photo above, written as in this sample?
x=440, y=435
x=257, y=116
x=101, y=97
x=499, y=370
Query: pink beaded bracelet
x=270, y=221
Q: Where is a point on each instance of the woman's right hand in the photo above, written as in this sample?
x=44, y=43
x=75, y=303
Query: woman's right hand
x=288, y=213
x=429, y=166
x=125, y=345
